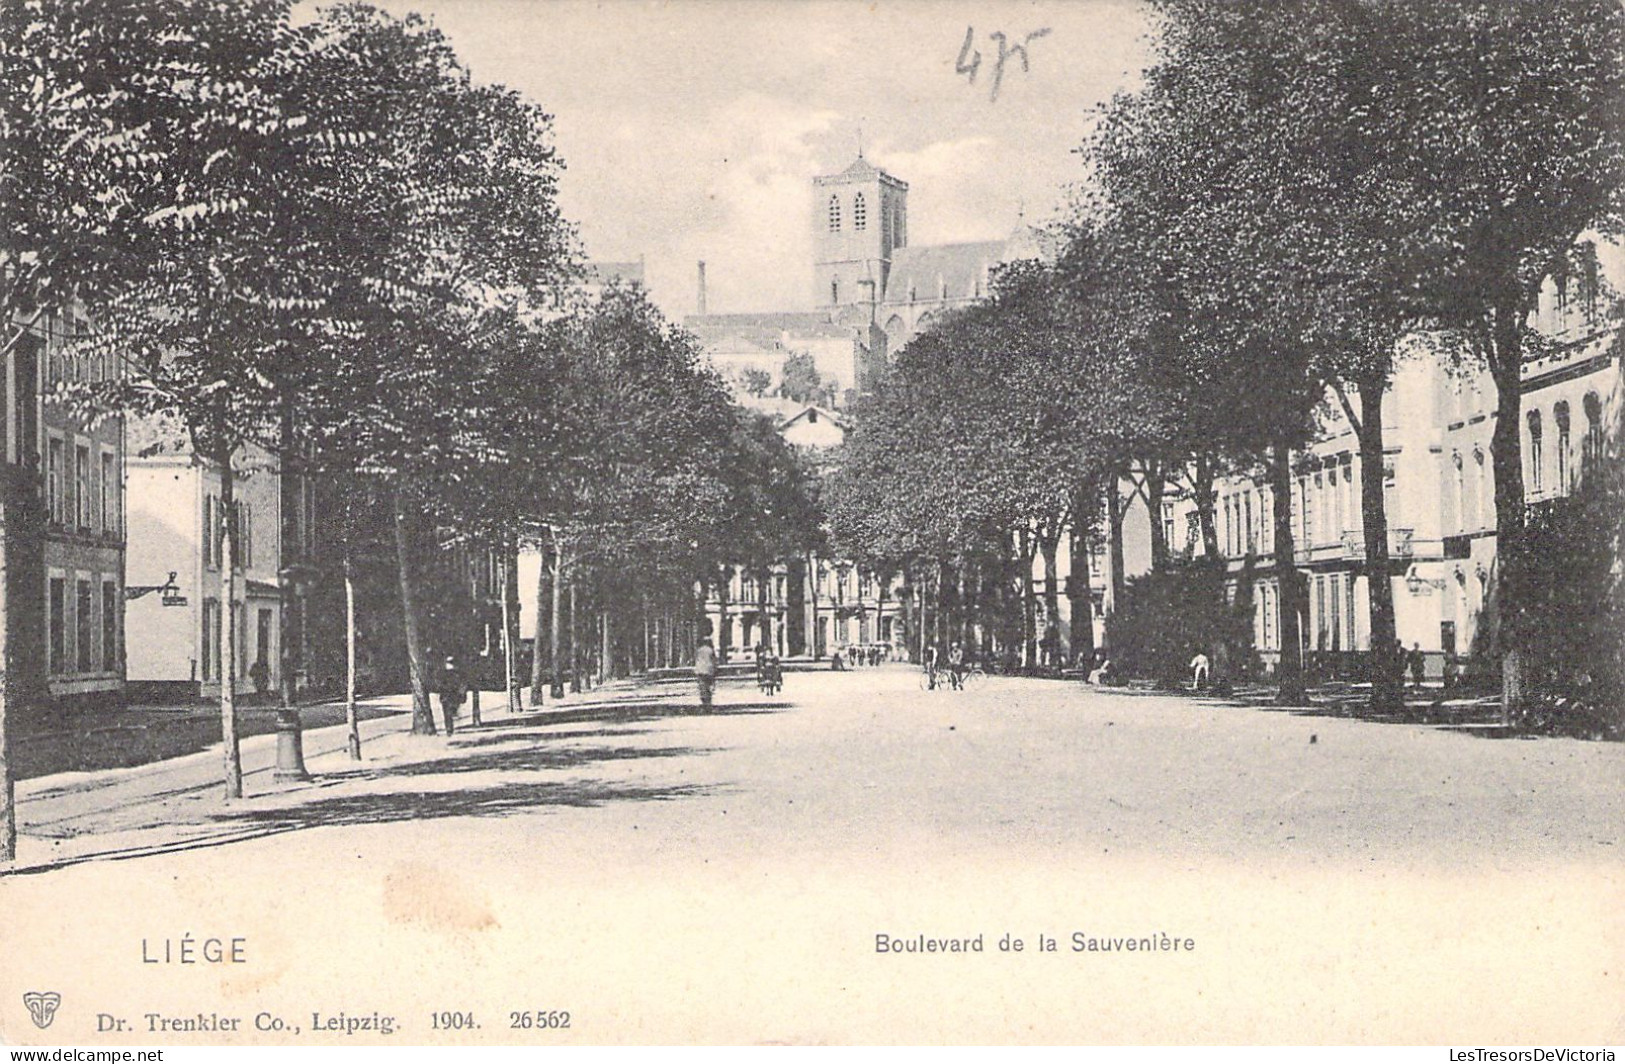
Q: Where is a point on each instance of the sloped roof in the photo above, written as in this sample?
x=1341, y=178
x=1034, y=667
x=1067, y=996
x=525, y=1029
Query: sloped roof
x=926, y=268
x=766, y=327
x=803, y=410
x=859, y=169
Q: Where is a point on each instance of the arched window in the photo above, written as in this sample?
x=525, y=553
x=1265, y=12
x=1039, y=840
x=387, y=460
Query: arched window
x=1591, y=445
x=1486, y=498
x=1560, y=414
x=859, y=215
x=1536, y=457
x=834, y=214
x=1461, y=494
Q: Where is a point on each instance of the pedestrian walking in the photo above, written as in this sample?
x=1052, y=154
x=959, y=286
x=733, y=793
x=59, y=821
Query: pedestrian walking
x=1418, y=663
x=705, y=670
x=452, y=692
x=1199, y=671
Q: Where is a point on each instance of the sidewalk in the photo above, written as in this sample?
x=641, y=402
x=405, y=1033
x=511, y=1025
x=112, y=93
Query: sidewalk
x=176, y=803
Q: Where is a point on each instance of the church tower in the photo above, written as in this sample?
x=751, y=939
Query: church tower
x=860, y=216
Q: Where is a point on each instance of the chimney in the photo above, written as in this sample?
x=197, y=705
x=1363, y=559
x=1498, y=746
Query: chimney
x=702, y=286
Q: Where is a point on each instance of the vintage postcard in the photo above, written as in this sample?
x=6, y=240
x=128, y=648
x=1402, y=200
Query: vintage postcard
x=818, y=523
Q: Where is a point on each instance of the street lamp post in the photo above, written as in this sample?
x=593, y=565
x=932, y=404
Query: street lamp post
x=290, y=743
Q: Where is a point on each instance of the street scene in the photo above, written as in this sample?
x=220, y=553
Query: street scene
x=844, y=522
x=578, y=857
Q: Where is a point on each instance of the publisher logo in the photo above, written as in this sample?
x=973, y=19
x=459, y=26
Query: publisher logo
x=42, y=1006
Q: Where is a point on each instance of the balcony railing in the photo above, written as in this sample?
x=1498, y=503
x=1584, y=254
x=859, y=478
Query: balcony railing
x=1400, y=543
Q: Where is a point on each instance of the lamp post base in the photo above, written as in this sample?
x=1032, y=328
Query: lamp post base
x=290, y=748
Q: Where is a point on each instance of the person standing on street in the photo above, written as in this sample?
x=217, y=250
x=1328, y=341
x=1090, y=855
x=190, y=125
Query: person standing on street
x=705, y=670
x=452, y=692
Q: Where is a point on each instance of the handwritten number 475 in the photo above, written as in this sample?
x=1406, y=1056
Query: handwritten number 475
x=970, y=60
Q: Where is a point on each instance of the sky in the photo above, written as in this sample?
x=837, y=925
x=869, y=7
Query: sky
x=692, y=129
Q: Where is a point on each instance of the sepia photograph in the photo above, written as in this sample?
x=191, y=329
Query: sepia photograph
x=561, y=523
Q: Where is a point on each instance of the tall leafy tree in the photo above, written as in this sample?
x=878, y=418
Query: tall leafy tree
x=1514, y=119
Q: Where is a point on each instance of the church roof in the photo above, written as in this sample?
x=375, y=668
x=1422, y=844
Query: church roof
x=927, y=269
x=859, y=169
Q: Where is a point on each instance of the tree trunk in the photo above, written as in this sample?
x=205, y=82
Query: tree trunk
x=510, y=589
x=1029, y=605
x=724, y=631
x=556, y=621
x=538, y=666
x=417, y=666
x=1049, y=546
x=1387, y=663
x=924, y=618
x=1082, y=624
x=350, y=716
x=1206, y=504
x=228, y=628
x=1116, y=585
x=8, y=787
x=575, y=643
x=1155, y=488
x=1289, y=674
x=606, y=646
x=1506, y=454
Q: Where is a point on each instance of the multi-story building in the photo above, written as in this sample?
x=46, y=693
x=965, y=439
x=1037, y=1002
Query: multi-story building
x=64, y=517
x=1439, y=487
x=176, y=523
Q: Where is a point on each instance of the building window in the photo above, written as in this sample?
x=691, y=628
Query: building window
x=859, y=214
x=1308, y=509
x=1348, y=612
x=1560, y=414
x=53, y=481
x=1486, y=500
x=1320, y=613
x=110, y=492
x=1461, y=494
x=56, y=604
x=834, y=214
x=1168, y=524
x=1329, y=524
x=1252, y=535
x=84, y=626
x=211, y=636
x=834, y=290
x=211, y=533
x=242, y=537
x=1536, y=458
x=110, y=616
x=81, y=485
x=1591, y=443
